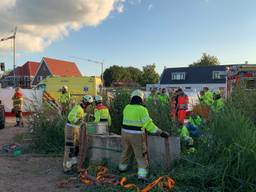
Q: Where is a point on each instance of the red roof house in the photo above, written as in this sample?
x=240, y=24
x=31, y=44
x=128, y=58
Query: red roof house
x=54, y=67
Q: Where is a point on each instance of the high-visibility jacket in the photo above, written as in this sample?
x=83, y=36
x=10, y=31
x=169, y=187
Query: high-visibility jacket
x=163, y=98
x=218, y=105
x=136, y=118
x=76, y=115
x=152, y=98
x=101, y=113
x=184, y=132
x=182, y=102
x=195, y=121
x=65, y=98
x=17, y=101
x=207, y=98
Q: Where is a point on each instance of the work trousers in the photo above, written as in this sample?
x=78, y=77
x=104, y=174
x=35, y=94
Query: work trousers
x=181, y=116
x=72, y=137
x=19, y=119
x=134, y=144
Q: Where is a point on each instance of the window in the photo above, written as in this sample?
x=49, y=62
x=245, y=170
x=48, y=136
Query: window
x=178, y=76
x=219, y=74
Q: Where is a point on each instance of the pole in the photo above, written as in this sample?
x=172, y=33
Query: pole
x=102, y=77
x=14, y=54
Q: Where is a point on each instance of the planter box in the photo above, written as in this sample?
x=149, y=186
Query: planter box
x=162, y=152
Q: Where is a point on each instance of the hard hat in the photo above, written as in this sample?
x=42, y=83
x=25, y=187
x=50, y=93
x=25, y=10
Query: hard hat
x=98, y=98
x=65, y=87
x=87, y=99
x=138, y=93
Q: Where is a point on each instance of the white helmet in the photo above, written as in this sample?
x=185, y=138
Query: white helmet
x=65, y=87
x=138, y=93
x=98, y=98
x=87, y=99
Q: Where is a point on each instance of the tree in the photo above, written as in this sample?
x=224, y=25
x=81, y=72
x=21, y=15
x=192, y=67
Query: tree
x=149, y=75
x=206, y=60
x=115, y=73
x=135, y=74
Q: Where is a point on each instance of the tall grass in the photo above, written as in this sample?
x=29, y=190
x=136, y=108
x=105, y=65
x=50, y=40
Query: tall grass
x=225, y=159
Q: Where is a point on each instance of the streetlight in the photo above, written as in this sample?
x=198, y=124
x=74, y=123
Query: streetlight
x=14, y=50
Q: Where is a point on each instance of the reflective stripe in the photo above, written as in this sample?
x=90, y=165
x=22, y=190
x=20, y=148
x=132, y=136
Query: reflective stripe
x=132, y=131
x=128, y=121
x=145, y=119
x=142, y=172
x=72, y=125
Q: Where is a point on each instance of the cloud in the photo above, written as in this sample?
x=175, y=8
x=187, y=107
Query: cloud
x=42, y=22
x=150, y=6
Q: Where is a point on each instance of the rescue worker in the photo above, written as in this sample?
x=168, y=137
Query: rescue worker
x=17, y=106
x=163, y=97
x=153, y=96
x=136, y=122
x=72, y=132
x=218, y=102
x=207, y=97
x=187, y=140
x=64, y=100
x=101, y=112
x=182, y=105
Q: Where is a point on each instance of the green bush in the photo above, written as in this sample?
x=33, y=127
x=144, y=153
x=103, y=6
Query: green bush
x=47, y=131
x=120, y=100
x=159, y=113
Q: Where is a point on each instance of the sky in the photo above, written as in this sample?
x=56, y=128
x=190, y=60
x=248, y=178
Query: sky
x=171, y=33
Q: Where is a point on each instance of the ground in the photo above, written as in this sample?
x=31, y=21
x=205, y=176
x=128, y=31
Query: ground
x=28, y=173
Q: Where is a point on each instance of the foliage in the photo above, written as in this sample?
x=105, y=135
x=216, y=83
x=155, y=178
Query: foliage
x=115, y=73
x=120, y=100
x=159, y=113
x=206, y=60
x=225, y=158
x=47, y=131
x=149, y=76
x=131, y=74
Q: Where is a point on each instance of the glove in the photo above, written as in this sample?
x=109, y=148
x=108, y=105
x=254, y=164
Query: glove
x=164, y=134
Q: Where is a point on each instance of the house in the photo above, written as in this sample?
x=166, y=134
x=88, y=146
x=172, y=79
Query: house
x=193, y=78
x=57, y=68
x=22, y=75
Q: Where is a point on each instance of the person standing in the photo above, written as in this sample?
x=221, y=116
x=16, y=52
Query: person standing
x=17, y=106
x=136, y=121
x=182, y=105
x=163, y=97
x=64, y=100
x=72, y=133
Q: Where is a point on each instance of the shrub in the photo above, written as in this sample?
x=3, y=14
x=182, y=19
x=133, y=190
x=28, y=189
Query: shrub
x=117, y=104
x=47, y=131
x=159, y=113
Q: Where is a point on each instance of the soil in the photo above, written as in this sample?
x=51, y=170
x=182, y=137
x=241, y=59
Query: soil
x=29, y=173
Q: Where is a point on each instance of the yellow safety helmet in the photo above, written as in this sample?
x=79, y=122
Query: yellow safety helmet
x=138, y=93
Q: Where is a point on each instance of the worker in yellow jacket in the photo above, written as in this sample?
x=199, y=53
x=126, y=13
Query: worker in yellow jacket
x=65, y=100
x=101, y=112
x=136, y=121
x=17, y=106
x=72, y=132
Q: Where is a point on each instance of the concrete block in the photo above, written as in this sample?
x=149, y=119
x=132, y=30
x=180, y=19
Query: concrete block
x=108, y=148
